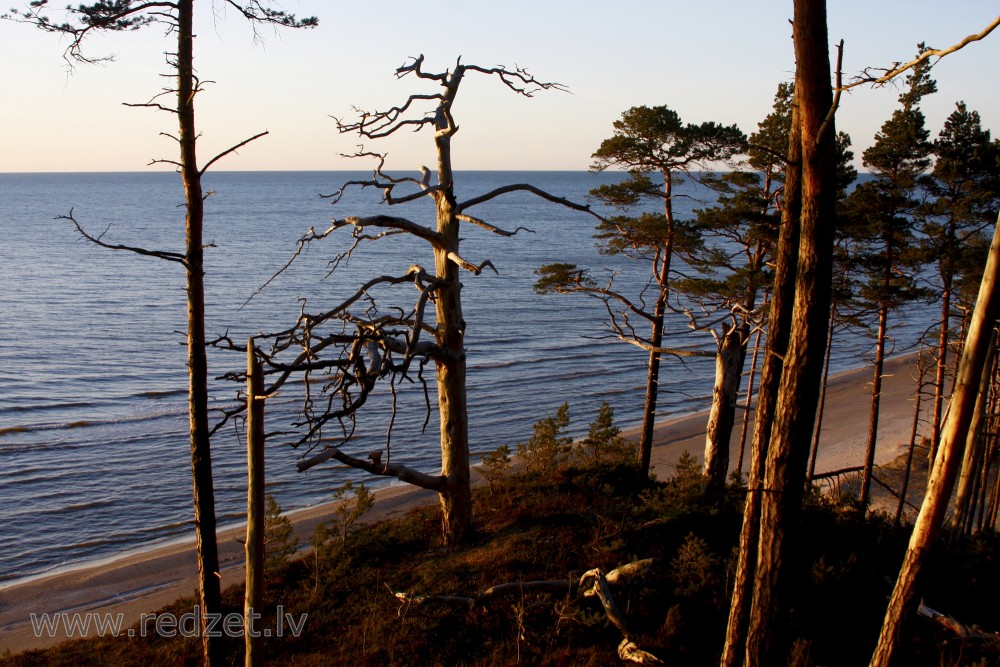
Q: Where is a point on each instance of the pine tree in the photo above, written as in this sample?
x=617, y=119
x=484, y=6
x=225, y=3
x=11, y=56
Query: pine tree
x=881, y=215
x=646, y=140
x=964, y=191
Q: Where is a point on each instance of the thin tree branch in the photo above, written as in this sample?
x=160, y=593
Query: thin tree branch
x=96, y=240
x=399, y=471
x=897, y=69
x=475, y=201
x=231, y=150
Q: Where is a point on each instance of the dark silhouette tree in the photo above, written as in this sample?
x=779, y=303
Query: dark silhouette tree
x=360, y=344
x=646, y=140
x=78, y=24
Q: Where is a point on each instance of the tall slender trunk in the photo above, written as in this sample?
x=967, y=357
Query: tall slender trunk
x=749, y=399
x=866, y=477
x=652, y=388
x=795, y=412
x=656, y=333
x=201, y=455
x=989, y=457
x=927, y=527
x=965, y=493
x=778, y=328
x=253, y=596
x=822, y=401
x=722, y=416
x=908, y=469
x=453, y=410
x=942, y=366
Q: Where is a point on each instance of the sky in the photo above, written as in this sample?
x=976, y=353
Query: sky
x=717, y=60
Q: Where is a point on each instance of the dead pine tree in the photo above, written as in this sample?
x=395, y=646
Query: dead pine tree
x=363, y=343
x=77, y=24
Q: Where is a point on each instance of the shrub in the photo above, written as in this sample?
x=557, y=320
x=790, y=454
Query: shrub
x=544, y=451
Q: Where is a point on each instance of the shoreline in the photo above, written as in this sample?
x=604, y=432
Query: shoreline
x=150, y=577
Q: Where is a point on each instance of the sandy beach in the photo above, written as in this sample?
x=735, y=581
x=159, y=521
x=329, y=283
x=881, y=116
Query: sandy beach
x=146, y=580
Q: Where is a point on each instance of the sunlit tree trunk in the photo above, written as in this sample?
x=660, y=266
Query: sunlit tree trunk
x=966, y=492
x=795, y=412
x=749, y=400
x=779, y=327
x=722, y=416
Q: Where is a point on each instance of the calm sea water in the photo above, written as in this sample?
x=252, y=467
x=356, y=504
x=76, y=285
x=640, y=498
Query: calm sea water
x=93, y=427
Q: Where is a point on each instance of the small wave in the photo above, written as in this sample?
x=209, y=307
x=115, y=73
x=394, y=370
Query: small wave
x=162, y=393
x=48, y=406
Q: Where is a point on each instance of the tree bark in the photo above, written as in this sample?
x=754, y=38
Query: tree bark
x=795, y=412
x=866, y=476
x=942, y=366
x=201, y=457
x=453, y=411
x=927, y=527
x=964, y=495
x=822, y=402
x=897, y=519
x=749, y=400
x=778, y=328
x=722, y=417
x=656, y=333
x=253, y=597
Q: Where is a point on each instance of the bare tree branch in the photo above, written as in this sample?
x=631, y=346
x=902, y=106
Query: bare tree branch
x=399, y=471
x=889, y=73
x=231, y=150
x=491, y=228
x=469, y=266
x=393, y=222
x=583, y=208
x=96, y=240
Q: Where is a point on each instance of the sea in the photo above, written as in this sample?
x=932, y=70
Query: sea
x=94, y=454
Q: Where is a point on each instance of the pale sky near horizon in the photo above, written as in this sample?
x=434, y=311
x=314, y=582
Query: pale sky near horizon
x=715, y=60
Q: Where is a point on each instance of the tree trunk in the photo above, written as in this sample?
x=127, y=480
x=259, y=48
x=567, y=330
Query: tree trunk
x=722, y=417
x=201, y=456
x=656, y=333
x=866, y=476
x=652, y=389
x=965, y=493
x=897, y=519
x=253, y=598
x=795, y=413
x=822, y=401
x=453, y=410
x=927, y=527
x=749, y=400
x=778, y=329
x=942, y=365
